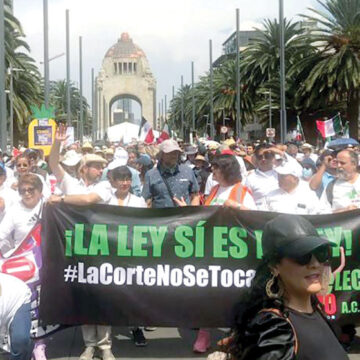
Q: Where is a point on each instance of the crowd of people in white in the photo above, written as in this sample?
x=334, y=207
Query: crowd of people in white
x=291, y=178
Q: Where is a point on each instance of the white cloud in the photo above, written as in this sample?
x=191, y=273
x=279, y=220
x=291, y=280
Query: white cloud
x=172, y=33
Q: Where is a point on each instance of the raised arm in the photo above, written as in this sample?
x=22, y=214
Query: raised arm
x=54, y=163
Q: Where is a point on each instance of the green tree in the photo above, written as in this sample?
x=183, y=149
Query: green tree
x=334, y=70
x=261, y=65
x=26, y=83
x=58, y=99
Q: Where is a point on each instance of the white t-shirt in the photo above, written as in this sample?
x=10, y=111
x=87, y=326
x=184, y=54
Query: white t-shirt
x=10, y=197
x=14, y=293
x=17, y=223
x=241, y=162
x=301, y=201
x=210, y=183
x=72, y=186
x=344, y=195
x=10, y=176
x=131, y=200
x=260, y=184
x=223, y=194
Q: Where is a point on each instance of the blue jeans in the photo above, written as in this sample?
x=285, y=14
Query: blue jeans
x=21, y=344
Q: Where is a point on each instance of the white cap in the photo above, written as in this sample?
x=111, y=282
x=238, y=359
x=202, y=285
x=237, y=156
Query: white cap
x=121, y=154
x=286, y=169
x=116, y=163
x=71, y=158
x=121, y=158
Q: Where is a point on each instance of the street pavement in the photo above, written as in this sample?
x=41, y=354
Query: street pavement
x=163, y=343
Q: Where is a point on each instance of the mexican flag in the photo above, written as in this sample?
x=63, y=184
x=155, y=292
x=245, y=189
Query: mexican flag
x=165, y=134
x=145, y=132
x=330, y=127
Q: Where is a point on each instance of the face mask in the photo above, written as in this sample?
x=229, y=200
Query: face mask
x=307, y=173
x=183, y=158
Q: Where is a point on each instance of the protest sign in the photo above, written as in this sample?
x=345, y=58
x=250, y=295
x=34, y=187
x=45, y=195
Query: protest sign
x=170, y=267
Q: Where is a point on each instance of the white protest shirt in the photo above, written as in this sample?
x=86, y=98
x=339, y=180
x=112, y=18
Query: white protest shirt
x=10, y=176
x=72, y=186
x=17, y=223
x=210, y=183
x=301, y=201
x=344, y=195
x=261, y=184
x=241, y=162
x=223, y=194
x=14, y=293
x=130, y=200
x=9, y=196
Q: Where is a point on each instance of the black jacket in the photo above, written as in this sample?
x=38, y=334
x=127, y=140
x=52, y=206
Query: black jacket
x=269, y=336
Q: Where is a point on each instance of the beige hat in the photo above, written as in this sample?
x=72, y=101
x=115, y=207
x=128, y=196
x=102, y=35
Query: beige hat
x=71, y=158
x=109, y=151
x=169, y=145
x=229, y=142
x=87, y=145
x=89, y=158
x=200, y=157
x=306, y=146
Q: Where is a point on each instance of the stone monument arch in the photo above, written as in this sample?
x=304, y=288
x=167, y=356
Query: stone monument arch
x=125, y=75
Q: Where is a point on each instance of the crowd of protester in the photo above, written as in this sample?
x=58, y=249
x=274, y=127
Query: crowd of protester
x=293, y=178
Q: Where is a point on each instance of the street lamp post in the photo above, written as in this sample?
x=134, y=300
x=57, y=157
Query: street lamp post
x=46, y=54
x=68, y=105
x=238, y=121
x=212, y=127
x=3, y=122
x=283, y=122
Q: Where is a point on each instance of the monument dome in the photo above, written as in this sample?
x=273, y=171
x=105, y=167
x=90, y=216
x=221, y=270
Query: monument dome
x=125, y=48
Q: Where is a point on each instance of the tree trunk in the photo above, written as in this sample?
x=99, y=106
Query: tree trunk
x=353, y=104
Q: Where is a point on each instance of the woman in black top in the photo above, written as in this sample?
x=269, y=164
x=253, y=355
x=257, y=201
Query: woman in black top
x=281, y=318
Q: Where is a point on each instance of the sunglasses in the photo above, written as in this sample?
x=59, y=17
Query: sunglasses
x=267, y=156
x=30, y=190
x=322, y=254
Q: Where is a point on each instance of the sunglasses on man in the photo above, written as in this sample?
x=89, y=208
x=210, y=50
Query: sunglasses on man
x=266, y=155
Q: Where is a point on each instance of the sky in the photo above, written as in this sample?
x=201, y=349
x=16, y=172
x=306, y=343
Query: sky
x=171, y=33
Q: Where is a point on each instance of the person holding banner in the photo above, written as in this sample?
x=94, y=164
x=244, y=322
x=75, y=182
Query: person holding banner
x=169, y=184
x=343, y=193
x=15, y=316
x=281, y=317
x=23, y=214
x=231, y=193
x=120, y=179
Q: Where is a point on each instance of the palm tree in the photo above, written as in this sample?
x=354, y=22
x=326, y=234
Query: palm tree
x=261, y=65
x=58, y=99
x=334, y=70
x=26, y=83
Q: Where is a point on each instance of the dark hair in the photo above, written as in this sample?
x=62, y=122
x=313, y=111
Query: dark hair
x=31, y=179
x=253, y=301
x=229, y=167
x=326, y=153
x=21, y=156
x=262, y=147
x=121, y=173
